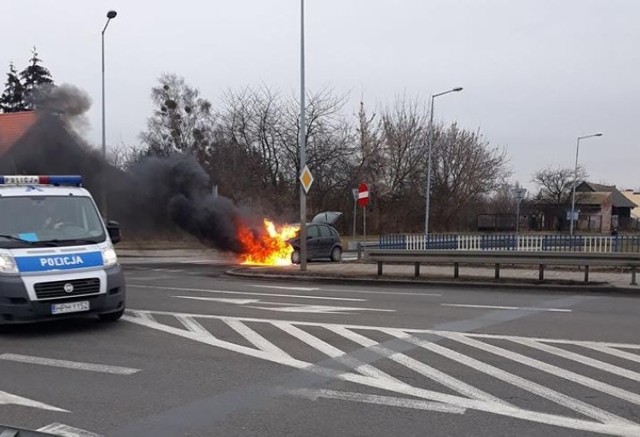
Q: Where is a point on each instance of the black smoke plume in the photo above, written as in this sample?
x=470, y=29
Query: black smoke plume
x=178, y=189
x=155, y=196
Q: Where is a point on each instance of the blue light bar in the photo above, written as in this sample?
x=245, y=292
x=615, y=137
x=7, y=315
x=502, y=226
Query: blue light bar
x=73, y=180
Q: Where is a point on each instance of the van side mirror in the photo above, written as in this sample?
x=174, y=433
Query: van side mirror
x=113, y=228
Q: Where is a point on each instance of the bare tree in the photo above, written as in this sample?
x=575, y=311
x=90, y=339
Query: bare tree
x=466, y=169
x=555, y=184
x=403, y=129
x=124, y=155
x=182, y=121
x=265, y=126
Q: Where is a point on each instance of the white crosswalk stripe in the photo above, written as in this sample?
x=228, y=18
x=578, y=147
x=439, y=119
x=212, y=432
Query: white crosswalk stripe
x=400, y=394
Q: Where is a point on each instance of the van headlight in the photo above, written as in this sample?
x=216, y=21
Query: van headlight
x=109, y=257
x=7, y=264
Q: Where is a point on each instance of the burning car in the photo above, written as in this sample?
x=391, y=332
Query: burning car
x=323, y=240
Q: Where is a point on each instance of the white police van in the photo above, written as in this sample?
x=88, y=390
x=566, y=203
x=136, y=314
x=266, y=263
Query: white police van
x=56, y=254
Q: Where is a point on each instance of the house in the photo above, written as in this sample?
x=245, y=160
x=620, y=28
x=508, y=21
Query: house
x=13, y=126
x=600, y=209
x=603, y=208
x=633, y=196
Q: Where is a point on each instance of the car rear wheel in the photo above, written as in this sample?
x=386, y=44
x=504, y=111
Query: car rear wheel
x=336, y=254
x=295, y=256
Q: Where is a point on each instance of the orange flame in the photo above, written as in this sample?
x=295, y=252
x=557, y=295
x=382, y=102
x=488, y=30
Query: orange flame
x=269, y=248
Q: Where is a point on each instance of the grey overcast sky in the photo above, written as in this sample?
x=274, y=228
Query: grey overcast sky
x=536, y=73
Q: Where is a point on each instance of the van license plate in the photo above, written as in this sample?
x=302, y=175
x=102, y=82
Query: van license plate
x=70, y=307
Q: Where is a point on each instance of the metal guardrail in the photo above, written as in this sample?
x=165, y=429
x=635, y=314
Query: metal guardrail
x=513, y=242
x=498, y=258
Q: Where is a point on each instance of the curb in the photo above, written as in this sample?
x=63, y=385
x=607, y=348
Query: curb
x=542, y=286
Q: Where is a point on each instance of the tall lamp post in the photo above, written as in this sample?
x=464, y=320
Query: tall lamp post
x=431, y=138
x=110, y=15
x=575, y=177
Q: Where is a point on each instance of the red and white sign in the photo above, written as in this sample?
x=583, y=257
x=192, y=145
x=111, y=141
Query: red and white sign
x=363, y=194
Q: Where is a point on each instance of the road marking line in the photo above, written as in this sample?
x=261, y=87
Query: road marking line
x=219, y=299
x=614, y=352
x=382, y=328
x=405, y=389
x=254, y=338
x=151, y=278
x=377, y=400
x=418, y=367
x=278, y=287
x=193, y=326
x=548, y=368
x=314, y=309
x=601, y=365
x=10, y=399
x=510, y=378
x=62, y=430
x=335, y=353
x=298, y=296
x=213, y=341
x=498, y=307
x=586, y=343
x=74, y=365
x=400, y=293
x=145, y=315
x=289, y=308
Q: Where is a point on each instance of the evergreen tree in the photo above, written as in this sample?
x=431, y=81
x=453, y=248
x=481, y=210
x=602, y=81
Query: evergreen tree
x=12, y=99
x=35, y=78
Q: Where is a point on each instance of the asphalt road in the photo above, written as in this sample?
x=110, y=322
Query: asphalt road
x=202, y=354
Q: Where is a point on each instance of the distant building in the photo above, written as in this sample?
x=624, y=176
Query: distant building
x=600, y=209
x=603, y=208
x=633, y=196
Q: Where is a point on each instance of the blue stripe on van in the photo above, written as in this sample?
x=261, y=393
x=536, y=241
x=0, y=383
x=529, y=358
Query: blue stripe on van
x=71, y=261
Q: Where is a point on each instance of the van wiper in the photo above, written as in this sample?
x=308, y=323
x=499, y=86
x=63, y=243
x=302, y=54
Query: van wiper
x=30, y=243
x=20, y=240
x=73, y=241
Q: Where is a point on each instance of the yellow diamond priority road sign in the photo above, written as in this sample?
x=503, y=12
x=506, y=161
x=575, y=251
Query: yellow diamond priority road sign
x=306, y=178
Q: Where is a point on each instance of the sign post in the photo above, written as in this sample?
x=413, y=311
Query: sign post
x=355, y=212
x=363, y=199
x=519, y=194
x=306, y=179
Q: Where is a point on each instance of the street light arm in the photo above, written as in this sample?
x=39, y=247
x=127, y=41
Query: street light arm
x=454, y=90
x=105, y=26
x=599, y=134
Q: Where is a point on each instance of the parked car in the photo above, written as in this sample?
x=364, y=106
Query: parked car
x=323, y=240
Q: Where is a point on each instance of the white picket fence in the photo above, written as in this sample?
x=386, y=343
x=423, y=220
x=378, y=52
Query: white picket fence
x=528, y=243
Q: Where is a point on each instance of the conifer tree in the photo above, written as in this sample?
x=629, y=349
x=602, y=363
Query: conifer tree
x=35, y=79
x=12, y=99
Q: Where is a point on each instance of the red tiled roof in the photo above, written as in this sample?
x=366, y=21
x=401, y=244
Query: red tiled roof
x=12, y=126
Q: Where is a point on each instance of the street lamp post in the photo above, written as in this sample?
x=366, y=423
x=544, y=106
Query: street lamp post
x=110, y=15
x=575, y=177
x=431, y=138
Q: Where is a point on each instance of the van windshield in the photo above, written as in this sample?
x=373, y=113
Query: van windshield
x=49, y=221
